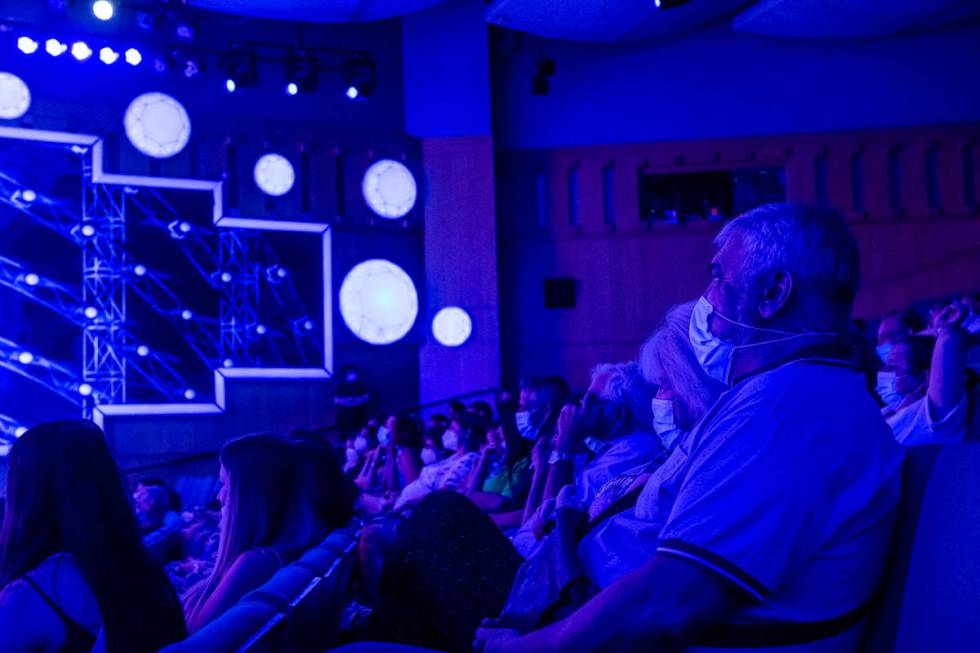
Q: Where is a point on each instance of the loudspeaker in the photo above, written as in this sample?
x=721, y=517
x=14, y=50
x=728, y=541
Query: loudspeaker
x=560, y=292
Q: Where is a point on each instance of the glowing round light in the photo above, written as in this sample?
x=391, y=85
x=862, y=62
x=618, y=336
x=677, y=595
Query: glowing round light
x=282, y=273
x=91, y=312
x=452, y=326
x=157, y=125
x=55, y=48
x=186, y=314
x=28, y=195
x=32, y=279
x=189, y=394
x=143, y=351
x=352, y=92
x=15, y=97
x=20, y=431
x=389, y=189
x=88, y=231
x=230, y=85
x=261, y=329
x=292, y=88
x=378, y=301
x=108, y=56
x=274, y=174
x=228, y=363
x=139, y=270
x=103, y=9
x=308, y=325
x=226, y=277
x=80, y=50
x=85, y=389
x=185, y=227
x=27, y=45
x=25, y=357
x=133, y=57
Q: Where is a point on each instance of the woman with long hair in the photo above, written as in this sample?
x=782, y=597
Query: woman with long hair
x=265, y=522
x=72, y=564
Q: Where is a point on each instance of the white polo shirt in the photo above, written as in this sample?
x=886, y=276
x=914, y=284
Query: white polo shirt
x=787, y=489
x=915, y=424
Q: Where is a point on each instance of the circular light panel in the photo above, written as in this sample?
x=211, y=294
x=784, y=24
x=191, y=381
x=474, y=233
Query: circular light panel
x=378, y=302
x=274, y=174
x=452, y=326
x=157, y=125
x=389, y=189
x=15, y=97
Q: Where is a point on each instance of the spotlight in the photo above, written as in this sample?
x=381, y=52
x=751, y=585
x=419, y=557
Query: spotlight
x=240, y=69
x=308, y=325
x=85, y=389
x=139, y=270
x=28, y=195
x=185, y=32
x=78, y=149
x=178, y=229
x=54, y=47
x=27, y=45
x=301, y=73
x=32, y=279
x=143, y=351
x=91, y=312
x=276, y=273
x=226, y=277
x=88, y=231
x=185, y=228
x=360, y=79
x=186, y=314
x=25, y=357
x=20, y=431
x=133, y=57
x=103, y=9
x=261, y=329
x=108, y=56
x=189, y=394
x=228, y=363
x=669, y=4
x=80, y=50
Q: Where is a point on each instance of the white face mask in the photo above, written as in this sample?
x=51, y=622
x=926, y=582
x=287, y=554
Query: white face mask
x=360, y=444
x=384, y=436
x=450, y=440
x=525, y=428
x=664, y=423
x=429, y=456
x=716, y=355
x=352, y=456
x=887, y=390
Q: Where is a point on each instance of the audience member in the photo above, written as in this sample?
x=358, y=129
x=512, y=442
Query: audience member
x=774, y=516
x=893, y=327
x=72, y=567
x=539, y=404
x=331, y=493
x=351, y=401
x=265, y=521
x=501, y=479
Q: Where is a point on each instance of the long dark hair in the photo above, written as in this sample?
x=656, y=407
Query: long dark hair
x=65, y=495
x=331, y=493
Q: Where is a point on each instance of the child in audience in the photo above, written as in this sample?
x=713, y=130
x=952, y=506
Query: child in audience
x=73, y=570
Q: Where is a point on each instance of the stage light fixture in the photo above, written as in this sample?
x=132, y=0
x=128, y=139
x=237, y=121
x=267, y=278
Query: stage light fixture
x=88, y=231
x=452, y=326
x=301, y=73
x=91, y=312
x=143, y=351
x=25, y=358
x=378, y=302
x=308, y=325
x=274, y=174
x=359, y=81
x=186, y=315
x=20, y=431
x=28, y=195
x=85, y=389
x=189, y=394
x=226, y=277
x=103, y=9
x=15, y=97
x=157, y=125
x=261, y=329
x=32, y=279
x=27, y=45
x=108, y=56
x=228, y=363
x=55, y=48
x=240, y=69
x=80, y=50
x=276, y=273
x=133, y=57
x=669, y=4
x=139, y=270
x=185, y=32
x=389, y=189
x=230, y=85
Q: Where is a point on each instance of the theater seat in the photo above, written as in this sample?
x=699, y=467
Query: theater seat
x=942, y=591
x=230, y=632
x=284, y=587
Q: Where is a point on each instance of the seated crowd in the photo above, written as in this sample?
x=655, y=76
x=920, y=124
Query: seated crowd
x=734, y=487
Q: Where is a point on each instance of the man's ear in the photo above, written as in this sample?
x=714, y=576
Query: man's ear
x=776, y=288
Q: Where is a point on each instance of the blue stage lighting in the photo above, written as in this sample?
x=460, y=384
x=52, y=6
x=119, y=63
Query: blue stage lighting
x=28, y=195
x=186, y=314
x=55, y=48
x=226, y=277
x=103, y=9
x=189, y=394
x=308, y=325
x=25, y=358
x=80, y=50
x=292, y=88
x=378, y=302
x=133, y=57
x=108, y=56
x=20, y=431
x=261, y=329
x=452, y=326
x=85, y=389
x=32, y=279
x=27, y=45
x=228, y=363
x=88, y=231
x=91, y=312
x=139, y=270
x=352, y=92
x=230, y=85
x=143, y=351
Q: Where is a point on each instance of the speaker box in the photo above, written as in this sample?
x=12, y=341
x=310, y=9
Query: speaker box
x=560, y=292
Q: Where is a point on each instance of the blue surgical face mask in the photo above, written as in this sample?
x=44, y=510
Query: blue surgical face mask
x=384, y=436
x=361, y=444
x=886, y=387
x=450, y=440
x=429, y=456
x=664, y=423
x=716, y=355
x=883, y=350
x=525, y=427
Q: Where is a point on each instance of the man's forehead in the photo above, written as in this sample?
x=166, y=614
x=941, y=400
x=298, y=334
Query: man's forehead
x=731, y=253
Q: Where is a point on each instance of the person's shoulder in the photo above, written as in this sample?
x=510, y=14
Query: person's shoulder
x=262, y=558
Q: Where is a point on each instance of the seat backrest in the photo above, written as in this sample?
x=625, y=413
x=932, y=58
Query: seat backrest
x=883, y=623
x=942, y=591
x=230, y=631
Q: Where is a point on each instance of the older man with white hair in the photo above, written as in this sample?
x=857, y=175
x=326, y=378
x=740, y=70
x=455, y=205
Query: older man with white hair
x=768, y=526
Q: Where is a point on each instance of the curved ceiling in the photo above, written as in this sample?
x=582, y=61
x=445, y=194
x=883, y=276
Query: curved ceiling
x=316, y=11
